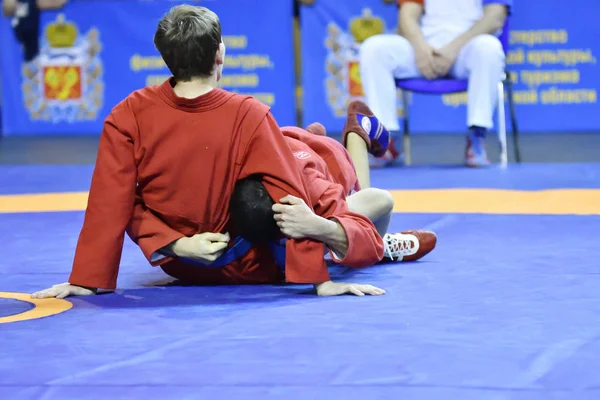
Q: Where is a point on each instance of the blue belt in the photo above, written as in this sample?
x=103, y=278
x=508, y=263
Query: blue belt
x=239, y=249
x=278, y=250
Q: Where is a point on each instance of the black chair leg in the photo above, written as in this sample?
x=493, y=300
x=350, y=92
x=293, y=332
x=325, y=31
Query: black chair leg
x=513, y=116
x=406, y=130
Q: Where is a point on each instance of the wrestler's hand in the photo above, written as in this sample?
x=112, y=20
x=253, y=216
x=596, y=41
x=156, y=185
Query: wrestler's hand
x=295, y=219
x=204, y=247
x=63, y=290
x=338, y=288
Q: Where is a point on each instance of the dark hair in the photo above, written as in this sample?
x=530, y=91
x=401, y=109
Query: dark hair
x=188, y=38
x=251, y=210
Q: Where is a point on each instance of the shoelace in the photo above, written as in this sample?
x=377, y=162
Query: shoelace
x=395, y=247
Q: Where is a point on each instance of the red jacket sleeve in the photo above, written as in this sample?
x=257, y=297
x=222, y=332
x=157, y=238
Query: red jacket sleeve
x=150, y=233
x=268, y=154
x=365, y=246
x=110, y=204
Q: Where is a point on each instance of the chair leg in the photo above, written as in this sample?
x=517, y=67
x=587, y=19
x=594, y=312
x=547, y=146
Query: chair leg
x=513, y=116
x=406, y=131
x=502, y=126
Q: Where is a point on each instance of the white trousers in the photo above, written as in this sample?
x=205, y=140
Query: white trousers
x=385, y=57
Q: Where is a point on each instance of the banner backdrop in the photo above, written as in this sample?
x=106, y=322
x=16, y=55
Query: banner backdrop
x=95, y=52
x=552, y=58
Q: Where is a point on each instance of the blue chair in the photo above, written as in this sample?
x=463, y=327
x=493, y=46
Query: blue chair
x=448, y=85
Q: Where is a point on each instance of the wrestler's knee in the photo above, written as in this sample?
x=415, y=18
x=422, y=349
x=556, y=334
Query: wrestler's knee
x=386, y=201
x=381, y=200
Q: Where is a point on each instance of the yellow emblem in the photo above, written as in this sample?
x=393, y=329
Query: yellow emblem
x=366, y=25
x=65, y=82
x=343, y=83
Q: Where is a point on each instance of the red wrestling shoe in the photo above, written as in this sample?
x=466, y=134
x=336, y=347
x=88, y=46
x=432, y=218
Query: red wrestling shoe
x=363, y=122
x=408, y=245
x=317, y=129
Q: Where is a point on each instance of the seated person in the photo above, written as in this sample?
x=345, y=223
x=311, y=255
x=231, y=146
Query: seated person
x=440, y=39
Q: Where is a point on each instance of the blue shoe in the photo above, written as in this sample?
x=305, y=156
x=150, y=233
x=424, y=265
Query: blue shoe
x=476, y=154
x=364, y=123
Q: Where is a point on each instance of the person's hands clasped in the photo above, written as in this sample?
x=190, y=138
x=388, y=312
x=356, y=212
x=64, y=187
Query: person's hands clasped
x=443, y=59
x=424, y=59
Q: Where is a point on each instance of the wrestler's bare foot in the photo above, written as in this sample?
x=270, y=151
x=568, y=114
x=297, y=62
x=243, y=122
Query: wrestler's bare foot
x=408, y=245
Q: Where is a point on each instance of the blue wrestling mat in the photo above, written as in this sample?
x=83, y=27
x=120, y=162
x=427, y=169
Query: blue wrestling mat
x=507, y=307
x=10, y=307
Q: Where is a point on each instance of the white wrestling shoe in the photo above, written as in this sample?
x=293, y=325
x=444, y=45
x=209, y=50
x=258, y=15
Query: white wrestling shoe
x=408, y=245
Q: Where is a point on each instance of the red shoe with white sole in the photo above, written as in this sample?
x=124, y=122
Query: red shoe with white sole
x=408, y=245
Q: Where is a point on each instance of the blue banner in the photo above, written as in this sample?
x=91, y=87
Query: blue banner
x=94, y=53
x=552, y=58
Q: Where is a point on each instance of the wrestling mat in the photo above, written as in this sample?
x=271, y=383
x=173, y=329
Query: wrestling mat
x=506, y=307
